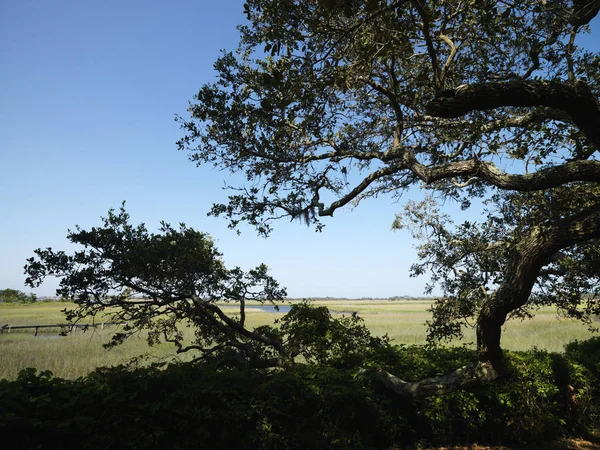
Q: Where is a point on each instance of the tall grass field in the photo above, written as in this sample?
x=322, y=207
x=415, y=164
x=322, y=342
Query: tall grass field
x=78, y=353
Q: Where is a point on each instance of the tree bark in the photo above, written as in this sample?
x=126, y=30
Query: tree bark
x=458, y=379
x=531, y=253
x=575, y=99
x=584, y=11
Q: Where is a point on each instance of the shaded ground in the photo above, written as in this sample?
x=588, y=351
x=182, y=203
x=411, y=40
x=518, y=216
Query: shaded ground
x=563, y=444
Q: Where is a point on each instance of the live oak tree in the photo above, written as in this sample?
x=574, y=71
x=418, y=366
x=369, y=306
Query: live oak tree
x=326, y=103
x=162, y=283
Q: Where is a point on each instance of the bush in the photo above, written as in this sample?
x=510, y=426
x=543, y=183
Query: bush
x=305, y=406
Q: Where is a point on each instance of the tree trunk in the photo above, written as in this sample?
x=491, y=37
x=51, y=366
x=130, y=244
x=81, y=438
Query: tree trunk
x=489, y=330
x=520, y=275
x=535, y=249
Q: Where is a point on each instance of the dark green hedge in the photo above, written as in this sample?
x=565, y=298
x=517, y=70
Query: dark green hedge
x=185, y=406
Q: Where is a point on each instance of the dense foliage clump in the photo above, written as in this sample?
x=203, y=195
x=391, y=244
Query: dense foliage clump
x=166, y=281
x=191, y=405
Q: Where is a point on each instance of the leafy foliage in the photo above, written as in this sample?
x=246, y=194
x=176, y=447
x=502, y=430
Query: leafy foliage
x=160, y=283
x=312, y=333
x=468, y=260
x=163, y=282
x=328, y=103
x=307, y=406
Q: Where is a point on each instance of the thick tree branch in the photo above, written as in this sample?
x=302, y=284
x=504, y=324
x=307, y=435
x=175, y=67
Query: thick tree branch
x=580, y=227
x=577, y=100
x=584, y=11
x=542, y=179
x=444, y=384
x=476, y=170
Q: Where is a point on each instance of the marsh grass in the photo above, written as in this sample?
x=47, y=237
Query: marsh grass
x=79, y=353
x=39, y=313
x=404, y=323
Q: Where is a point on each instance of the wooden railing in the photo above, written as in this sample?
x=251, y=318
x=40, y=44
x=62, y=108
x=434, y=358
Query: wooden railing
x=64, y=327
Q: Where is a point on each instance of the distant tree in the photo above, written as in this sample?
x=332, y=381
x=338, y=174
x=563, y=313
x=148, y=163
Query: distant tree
x=165, y=282
x=15, y=296
x=329, y=102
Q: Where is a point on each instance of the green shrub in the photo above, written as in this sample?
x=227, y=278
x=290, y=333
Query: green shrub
x=582, y=382
x=189, y=405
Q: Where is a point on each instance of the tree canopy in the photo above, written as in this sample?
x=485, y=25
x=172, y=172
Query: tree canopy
x=327, y=103
x=165, y=282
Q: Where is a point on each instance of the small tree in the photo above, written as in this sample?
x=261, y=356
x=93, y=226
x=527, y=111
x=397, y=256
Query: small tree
x=164, y=282
x=330, y=102
x=161, y=283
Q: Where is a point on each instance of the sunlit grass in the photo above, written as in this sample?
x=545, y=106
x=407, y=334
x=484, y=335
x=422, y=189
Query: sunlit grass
x=80, y=352
x=70, y=356
x=33, y=314
x=404, y=323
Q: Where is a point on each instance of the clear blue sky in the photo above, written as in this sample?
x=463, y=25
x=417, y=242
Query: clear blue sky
x=88, y=95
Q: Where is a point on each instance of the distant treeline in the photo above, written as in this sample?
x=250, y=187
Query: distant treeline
x=391, y=299
x=15, y=296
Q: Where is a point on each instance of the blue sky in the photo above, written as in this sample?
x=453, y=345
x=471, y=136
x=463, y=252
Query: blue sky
x=89, y=91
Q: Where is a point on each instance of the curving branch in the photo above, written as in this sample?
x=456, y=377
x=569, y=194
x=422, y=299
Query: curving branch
x=360, y=188
x=584, y=11
x=240, y=329
x=451, y=56
x=469, y=182
x=444, y=384
x=542, y=179
x=575, y=99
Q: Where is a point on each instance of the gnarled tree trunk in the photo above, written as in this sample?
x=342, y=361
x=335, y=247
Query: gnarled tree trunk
x=531, y=253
